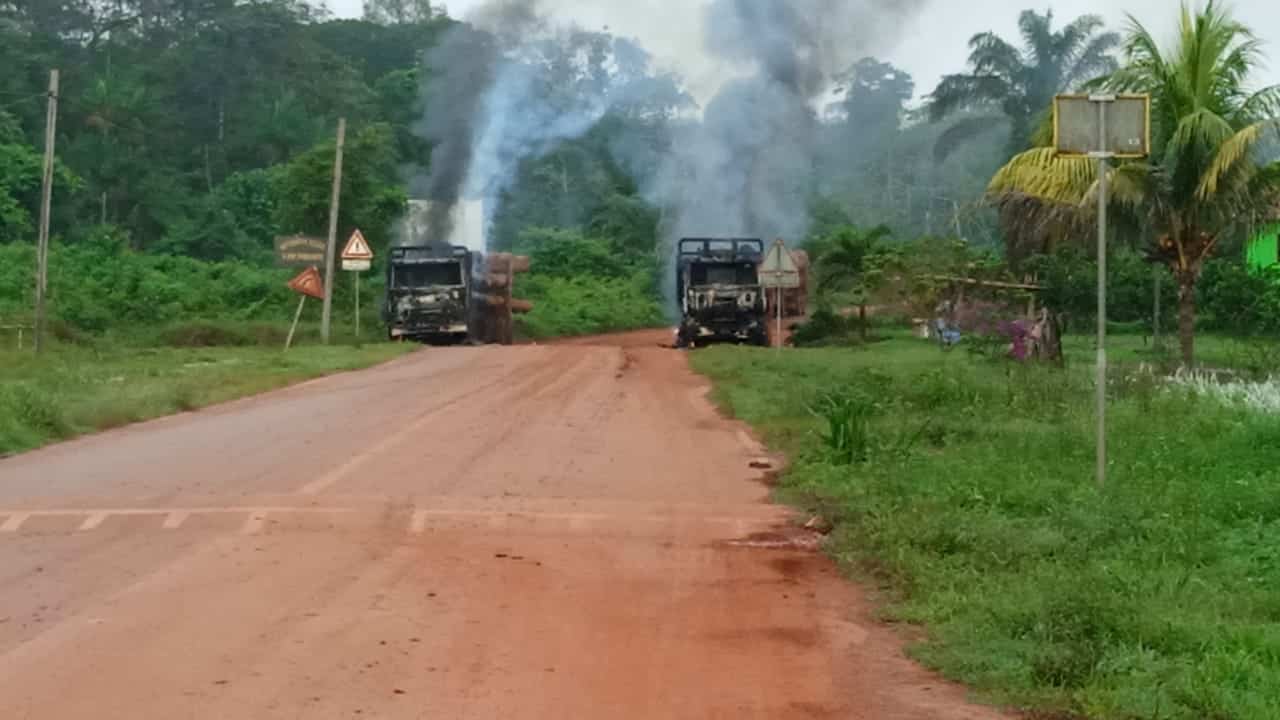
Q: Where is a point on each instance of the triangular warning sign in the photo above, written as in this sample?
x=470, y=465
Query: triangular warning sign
x=308, y=283
x=779, y=260
x=357, y=248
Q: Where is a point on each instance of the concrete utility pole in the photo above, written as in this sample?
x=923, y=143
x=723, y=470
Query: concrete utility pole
x=332, y=247
x=1103, y=156
x=46, y=202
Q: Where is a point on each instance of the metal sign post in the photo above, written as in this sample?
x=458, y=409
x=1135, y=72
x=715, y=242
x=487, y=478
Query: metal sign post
x=357, y=257
x=1103, y=157
x=1084, y=127
x=778, y=342
x=779, y=271
x=307, y=284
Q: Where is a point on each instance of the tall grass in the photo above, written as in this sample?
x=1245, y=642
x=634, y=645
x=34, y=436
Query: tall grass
x=76, y=389
x=1157, y=596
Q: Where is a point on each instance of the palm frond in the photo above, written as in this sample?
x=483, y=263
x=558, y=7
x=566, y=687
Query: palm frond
x=1096, y=59
x=958, y=92
x=1072, y=39
x=1132, y=185
x=1261, y=105
x=1043, y=174
x=1234, y=157
x=990, y=54
x=1042, y=128
x=1037, y=36
x=1200, y=129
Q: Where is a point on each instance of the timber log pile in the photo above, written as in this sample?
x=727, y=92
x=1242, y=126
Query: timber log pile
x=495, y=319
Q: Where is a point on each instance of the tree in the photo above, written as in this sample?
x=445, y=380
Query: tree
x=372, y=196
x=1020, y=83
x=848, y=260
x=399, y=12
x=1204, y=179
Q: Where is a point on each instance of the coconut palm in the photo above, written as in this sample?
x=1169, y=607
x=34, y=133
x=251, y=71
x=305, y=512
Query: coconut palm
x=1005, y=82
x=1204, y=179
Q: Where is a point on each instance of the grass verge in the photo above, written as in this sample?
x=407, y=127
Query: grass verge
x=965, y=488
x=73, y=390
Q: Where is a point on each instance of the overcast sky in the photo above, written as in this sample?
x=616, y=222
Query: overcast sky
x=929, y=45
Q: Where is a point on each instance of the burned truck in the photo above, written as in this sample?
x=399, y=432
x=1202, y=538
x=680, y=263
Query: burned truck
x=445, y=295
x=429, y=294
x=718, y=286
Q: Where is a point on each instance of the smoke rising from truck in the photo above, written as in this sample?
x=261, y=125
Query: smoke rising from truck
x=497, y=95
x=748, y=168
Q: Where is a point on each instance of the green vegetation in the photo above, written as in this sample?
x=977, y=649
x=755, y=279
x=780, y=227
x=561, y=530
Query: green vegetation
x=1207, y=177
x=966, y=488
x=99, y=287
x=1019, y=83
x=73, y=390
x=586, y=285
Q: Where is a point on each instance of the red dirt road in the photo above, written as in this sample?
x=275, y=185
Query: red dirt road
x=526, y=532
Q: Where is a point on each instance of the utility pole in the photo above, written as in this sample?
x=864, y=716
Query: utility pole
x=1103, y=156
x=46, y=202
x=332, y=246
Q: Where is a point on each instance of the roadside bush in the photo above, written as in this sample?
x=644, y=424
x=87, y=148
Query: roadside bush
x=100, y=287
x=1230, y=297
x=827, y=328
x=588, y=305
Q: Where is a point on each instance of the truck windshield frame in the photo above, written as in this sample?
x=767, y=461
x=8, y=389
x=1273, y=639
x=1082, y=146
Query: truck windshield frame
x=724, y=274
x=426, y=275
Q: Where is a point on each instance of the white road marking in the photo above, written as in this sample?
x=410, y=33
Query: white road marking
x=420, y=519
x=174, y=520
x=93, y=522
x=14, y=522
x=254, y=524
x=418, y=524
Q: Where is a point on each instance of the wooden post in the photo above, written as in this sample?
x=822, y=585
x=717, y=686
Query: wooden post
x=288, y=342
x=46, y=201
x=332, y=246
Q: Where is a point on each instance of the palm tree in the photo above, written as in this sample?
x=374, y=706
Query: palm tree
x=1005, y=82
x=847, y=260
x=1203, y=180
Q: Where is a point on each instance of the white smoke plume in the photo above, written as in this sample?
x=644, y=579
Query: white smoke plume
x=748, y=168
x=744, y=168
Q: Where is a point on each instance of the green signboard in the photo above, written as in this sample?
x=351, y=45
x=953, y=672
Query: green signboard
x=1264, y=250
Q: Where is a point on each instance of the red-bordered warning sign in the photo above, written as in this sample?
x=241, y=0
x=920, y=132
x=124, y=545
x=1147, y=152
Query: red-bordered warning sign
x=357, y=248
x=308, y=283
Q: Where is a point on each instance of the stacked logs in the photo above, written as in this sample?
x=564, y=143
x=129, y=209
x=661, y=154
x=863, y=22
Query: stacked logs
x=495, y=322
x=796, y=300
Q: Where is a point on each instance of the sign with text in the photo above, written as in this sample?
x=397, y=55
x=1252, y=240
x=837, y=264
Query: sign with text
x=300, y=251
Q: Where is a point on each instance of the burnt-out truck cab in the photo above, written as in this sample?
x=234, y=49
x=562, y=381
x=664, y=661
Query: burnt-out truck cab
x=429, y=294
x=718, y=286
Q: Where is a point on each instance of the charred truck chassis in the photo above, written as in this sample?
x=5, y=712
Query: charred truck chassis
x=450, y=295
x=718, y=285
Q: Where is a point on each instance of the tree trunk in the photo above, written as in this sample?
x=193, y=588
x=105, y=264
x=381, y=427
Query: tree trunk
x=1187, y=318
x=862, y=321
